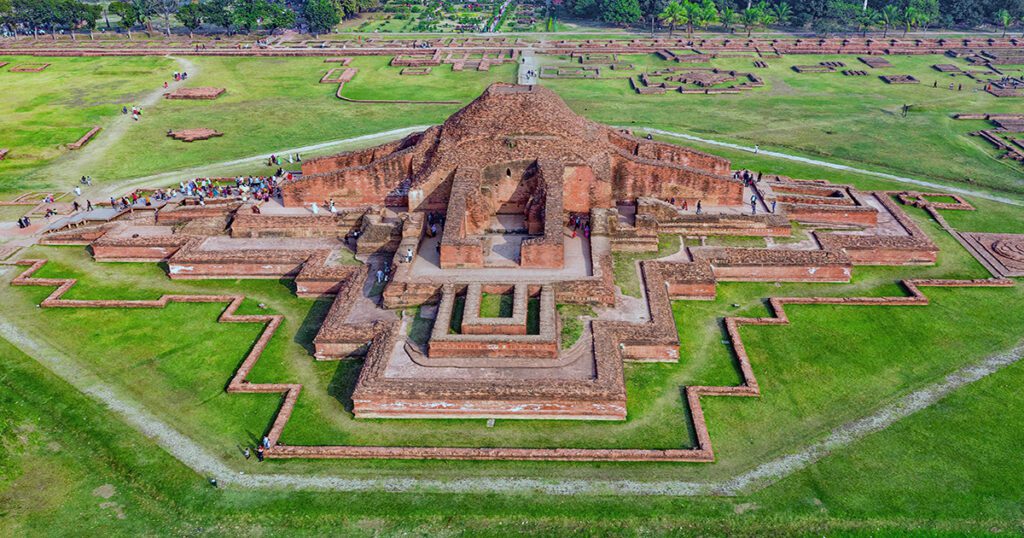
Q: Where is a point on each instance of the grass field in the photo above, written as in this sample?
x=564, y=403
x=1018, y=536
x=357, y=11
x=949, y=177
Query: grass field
x=274, y=104
x=69, y=464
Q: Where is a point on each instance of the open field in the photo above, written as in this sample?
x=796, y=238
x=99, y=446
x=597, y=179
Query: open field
x=273, y=104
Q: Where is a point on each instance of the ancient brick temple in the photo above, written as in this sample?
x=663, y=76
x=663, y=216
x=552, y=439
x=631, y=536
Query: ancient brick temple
x=486, y=209
x=515, y=151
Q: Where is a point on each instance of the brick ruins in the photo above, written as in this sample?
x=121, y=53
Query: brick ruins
x=203, y=93
x=191, y=135
x=517, y=196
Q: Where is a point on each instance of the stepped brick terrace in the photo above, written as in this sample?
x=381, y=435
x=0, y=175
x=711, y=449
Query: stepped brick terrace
x=517, y=198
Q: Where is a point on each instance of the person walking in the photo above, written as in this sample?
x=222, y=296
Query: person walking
x=259, y=453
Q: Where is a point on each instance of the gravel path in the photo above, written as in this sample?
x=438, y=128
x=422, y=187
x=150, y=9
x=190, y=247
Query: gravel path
x=206, y=464
x=901, y=179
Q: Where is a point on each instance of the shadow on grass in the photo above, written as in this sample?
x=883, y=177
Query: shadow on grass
x=311, y=323
x=343, y=383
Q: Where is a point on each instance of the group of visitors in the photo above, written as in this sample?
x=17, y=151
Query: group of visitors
x=579, y=222
x=180, y=76
x=24, y=222
x=435, y=223
x=136, y=111
x=275, y=160
x=383, y=272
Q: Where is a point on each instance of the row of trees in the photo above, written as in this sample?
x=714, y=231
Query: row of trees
x=231, y=15
x=823, y=16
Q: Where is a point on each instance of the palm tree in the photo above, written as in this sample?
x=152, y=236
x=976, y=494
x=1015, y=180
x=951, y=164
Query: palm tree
x=781, y=12
x=867, y=19
x=752, y=16
x=672, y=15
x=1005, y=19
x=910, y=18
x=890, y=15
x=707, y=14
x=727, y=16
x=691, y=16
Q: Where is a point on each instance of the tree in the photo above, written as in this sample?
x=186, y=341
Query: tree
x=1005, y=19
x=890, y=16
x=706, y=14
x=727, y=16
x=909, y=18
x=321, y=15
x=672, y=15
x=866, y=20
x=191, y=16
x=279, y=16
x=128, y=14
x=91, y=16
x=651, y=9
x=751, y=17
x=167, y=8
x=32, y=13
x=620, y=11
x=145, y=9
x=782, y=13
x=249, y=14
x=217, y=13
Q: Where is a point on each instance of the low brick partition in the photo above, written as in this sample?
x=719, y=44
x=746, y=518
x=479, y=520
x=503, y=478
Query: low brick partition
x=191, y=135
x=415, y=71
x=85, y=138
x=344, y=61
x=28, y=68
x=855, y=73
x=138, y=249
x=899, y=79
x=201, y=93
x=3, y=153
x=946, y=68
x=338, y=75
x=758, y=264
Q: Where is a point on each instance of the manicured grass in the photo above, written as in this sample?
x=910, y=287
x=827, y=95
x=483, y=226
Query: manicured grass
x=277, y=103
x=44, y=111
x=63, y=450
x=496, y=305
x=850, y=120
x=624, y=263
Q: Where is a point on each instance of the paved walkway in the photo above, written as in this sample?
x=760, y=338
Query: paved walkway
x=529, y=69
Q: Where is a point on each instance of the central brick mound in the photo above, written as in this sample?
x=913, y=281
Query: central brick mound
x=191, y=135
x=195, y=93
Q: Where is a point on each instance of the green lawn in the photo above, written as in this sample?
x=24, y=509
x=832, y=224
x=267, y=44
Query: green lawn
x=277, y=103
x=176, y=361
x=850, y=120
